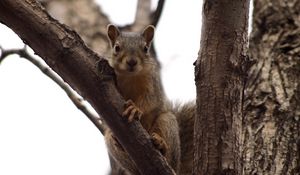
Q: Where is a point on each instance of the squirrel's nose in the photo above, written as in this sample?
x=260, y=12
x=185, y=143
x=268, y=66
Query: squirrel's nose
x=131, y=62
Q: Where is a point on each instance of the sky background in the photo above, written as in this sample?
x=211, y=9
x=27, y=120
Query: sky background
x=42, y=132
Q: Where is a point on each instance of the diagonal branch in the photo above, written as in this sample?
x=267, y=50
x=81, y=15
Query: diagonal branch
x=77, y=101
x=64, y=51
x=157, y=13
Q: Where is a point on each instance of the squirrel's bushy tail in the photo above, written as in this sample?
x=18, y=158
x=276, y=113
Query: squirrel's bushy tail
x=185, y=114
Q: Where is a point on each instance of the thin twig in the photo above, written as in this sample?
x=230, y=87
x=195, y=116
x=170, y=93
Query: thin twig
x=77, y=101
x=5, y=53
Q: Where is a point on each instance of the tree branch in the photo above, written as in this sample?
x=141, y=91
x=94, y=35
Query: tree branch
x=157, y=13
x=77, y=101
x=85, y=17
x=64, y=51
x=142, y=15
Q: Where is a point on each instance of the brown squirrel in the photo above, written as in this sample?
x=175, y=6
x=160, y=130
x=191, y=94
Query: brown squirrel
x=138, y=81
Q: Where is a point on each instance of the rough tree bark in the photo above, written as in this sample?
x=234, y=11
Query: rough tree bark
x=272, y=105
x=64, y=51
x=219, y=73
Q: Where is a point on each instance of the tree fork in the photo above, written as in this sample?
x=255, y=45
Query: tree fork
x=219, y=73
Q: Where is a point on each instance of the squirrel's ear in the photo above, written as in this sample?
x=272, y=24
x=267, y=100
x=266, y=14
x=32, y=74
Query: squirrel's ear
x=148, y=34
x=112, y=33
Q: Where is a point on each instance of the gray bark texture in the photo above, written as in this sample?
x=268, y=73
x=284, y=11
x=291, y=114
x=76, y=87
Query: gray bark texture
x=219, y=74
x=272, y=95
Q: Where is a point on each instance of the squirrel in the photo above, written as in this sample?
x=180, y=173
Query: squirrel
x=138, y=81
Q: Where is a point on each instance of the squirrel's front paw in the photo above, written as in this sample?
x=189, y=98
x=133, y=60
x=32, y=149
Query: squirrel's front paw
x=132, y=111
x=159, y=143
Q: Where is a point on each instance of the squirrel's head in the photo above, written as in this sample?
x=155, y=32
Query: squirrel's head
x=130, y=51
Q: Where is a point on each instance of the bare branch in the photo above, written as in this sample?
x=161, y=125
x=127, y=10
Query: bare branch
x=6, y=53
x=157, y=13
x=85, y=17
x=64, y=51
x=77, y=101
x=142, y=16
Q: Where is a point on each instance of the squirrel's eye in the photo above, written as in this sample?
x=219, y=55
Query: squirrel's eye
x=146, y=49
x=117, y=48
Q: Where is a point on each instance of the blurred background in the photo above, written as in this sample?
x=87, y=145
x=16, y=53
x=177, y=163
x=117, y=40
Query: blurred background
x=42, y=132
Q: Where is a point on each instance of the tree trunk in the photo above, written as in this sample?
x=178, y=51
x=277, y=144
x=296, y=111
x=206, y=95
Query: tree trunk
x=272, y=105
x=219, y=72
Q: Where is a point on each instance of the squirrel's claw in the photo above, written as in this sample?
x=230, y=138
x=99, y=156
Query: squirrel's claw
x=159, y=143
x=132, y=111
